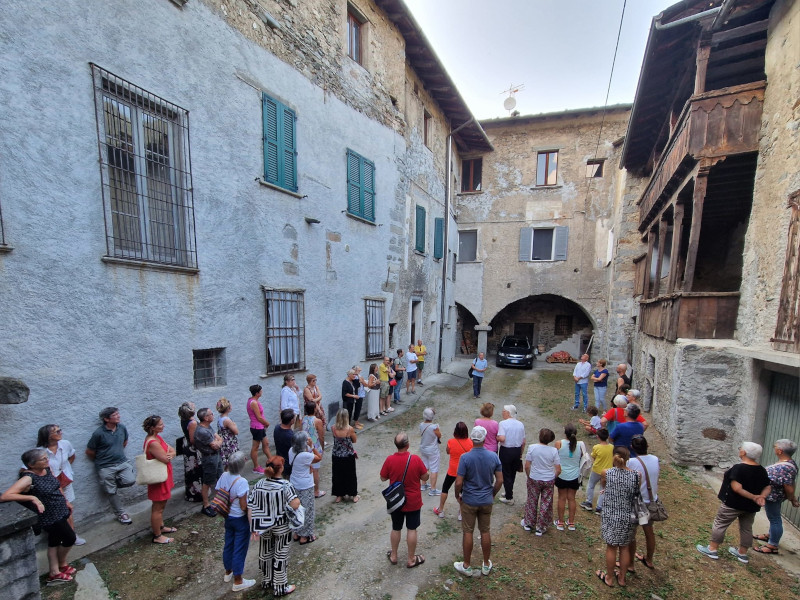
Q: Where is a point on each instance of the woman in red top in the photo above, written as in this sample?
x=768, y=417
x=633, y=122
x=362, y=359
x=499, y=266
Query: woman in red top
x=158, y=493
x=456, y=446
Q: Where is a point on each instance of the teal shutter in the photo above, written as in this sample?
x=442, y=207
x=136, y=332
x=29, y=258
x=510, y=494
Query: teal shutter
x=280, y=144
x=368, y=178
x=271, y=153
x=289, y=149
x=420, y=229
x=360, y=186
x=525, y=243
x=438, y=238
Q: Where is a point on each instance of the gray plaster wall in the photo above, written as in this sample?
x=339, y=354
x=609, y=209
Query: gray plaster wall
x=83, y=333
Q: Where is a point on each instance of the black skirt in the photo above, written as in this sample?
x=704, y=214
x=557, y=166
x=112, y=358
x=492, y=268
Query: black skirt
x=345, y=481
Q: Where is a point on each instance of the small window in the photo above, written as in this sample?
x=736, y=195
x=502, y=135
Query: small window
x=438, y=238
x=563, y=325
x=375, y=313
x=455, y=262
x=355, y=27
x=360, y=186
x=547, y=168
x=594, y=167
x=543, y=243
x=419, y=238
x=280, y=151
x=209, y=367
x=285, y=333
x=468, y=245
x=471, y=171
x=426, y=128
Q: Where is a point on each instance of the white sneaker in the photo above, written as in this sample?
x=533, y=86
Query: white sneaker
x=425, y=486
x=228, y=576
x=246, y=583
x=504, y=500
x=525, y=526
x=79, y=541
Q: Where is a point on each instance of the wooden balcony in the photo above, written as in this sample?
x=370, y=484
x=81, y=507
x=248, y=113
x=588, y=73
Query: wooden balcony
x=700, y=315
x=713, y=124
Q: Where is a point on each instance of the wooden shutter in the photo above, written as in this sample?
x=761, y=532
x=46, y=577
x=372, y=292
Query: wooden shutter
x=271, y=144
x=288, y=149
x=438, y=238
x=353, y=183
x=525, y=243
x=420, y=229
x=560, y=246
x=368, y=191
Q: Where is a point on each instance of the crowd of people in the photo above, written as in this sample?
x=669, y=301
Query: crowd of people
x=481, y=460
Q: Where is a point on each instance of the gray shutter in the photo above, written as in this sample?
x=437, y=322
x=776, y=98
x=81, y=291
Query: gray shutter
x=560, y=253
x=525, y=243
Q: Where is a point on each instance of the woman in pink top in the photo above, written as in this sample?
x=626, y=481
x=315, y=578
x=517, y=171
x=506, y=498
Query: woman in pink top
x=258, y=427
x=491, y=426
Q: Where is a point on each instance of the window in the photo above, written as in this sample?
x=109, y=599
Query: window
x=419, y=238
x=438, y=238
x=547, y=168
x=286, y=336
x=360, y=186
x=145, y=172
x=426, y=128
x=209, y=367
x=543, y=243
x=471, y=171
x=280, y=147
x=563, y=325
x=376, y=310
x=468, y=245
x=453, y=270
x=594, y=167
x=355, y=27
x=2, y=231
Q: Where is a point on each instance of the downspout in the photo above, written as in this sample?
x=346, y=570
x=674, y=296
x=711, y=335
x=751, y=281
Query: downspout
x=446, y=240
x=689, y=19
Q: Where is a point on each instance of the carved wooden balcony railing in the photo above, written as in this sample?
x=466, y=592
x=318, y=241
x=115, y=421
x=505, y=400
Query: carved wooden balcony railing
x=713, y=124
x=700, y=315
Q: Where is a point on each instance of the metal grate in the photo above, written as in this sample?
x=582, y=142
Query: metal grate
x=145, y=168
x=563, y=325
x=375, y=313
x=209, y=367
x=285, y=335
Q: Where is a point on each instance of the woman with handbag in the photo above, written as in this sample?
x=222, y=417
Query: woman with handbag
x=61, y=455
x=192, y=459
x=155, y=448
x=269, y=502
x=303, y=456
x=782, y=478
x=649, y=469
x=621, y=486
x=237, y=521
x=227, y=430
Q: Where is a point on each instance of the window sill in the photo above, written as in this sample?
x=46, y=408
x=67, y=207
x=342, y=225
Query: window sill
x=280, y=373
x=4, y=248
x=418, y=253
x=140, y=264
x=468, y=262
x=546, y=187
x=278, y=188
x=362, y=219
x=472, y=193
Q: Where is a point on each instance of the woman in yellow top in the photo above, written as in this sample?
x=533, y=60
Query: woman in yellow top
x=603, y=456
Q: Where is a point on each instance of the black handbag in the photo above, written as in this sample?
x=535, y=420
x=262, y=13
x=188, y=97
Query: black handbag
x=395, y=494
x=472, y=366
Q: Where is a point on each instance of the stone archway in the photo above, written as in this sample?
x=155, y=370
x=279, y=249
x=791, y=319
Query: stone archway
x=466, y=337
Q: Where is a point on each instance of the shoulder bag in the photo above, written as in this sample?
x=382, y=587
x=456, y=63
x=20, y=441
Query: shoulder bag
x=469, y=373
x=657, y=510
x=221, y=502
x=295, y=516
x=640, y=514
x=150, y=470
x=586, y=463
x=395, y=494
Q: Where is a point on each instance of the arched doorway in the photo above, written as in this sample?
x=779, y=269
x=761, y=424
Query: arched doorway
x=466, y=337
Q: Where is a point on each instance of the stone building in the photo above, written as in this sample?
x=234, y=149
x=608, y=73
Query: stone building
x=536, y=230
x=718, y=347
x=202, y=195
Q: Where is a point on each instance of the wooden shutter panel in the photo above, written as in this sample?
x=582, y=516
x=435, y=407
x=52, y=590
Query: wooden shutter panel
x=353, y=183
x=525, y=243
x=368, y=181
x=271, y=150
x=289, y=149
x=560, y=246
x=438, y=238
x=420, y=229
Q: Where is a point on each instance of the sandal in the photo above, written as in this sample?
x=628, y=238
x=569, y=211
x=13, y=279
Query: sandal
x=356, y=498
x=58, y=579
x=309, y=540
x=169, y=539
x=69, y=570
x=642, y=559
x=631, y=570
x=321, y=494
x=766, y=549
x=418, y=560
x=289, y=589
x=389, y=556
x=761, y=537
x=602, y=576
x=165, y=529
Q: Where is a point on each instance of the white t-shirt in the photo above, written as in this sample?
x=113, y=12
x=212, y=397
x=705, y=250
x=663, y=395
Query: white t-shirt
x=289, y=400
x=543, y=461
x=427, y=431
x=237, y=486
x=653, y=469
x=596, y=422
x=514, y=432
x=59, y=462
x=411, y=366
x=301, y=477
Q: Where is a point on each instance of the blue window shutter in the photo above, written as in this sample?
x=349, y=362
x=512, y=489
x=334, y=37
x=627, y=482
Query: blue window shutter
x=419, y=242
x=525, y=243
x=271, y=144
x=289, y=148
x=368, y=179
x=438, y=238
x=560, y=246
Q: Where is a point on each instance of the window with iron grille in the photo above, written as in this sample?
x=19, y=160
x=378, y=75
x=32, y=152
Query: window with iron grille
x=563, y=325
x=471, y=174
x=209, y=367
x=280, y=148
x=146, y=173
x=547, y=168
x=354, y=35
x=419, y=237
x=285, y=333
x=360, y=186
x=375, y=312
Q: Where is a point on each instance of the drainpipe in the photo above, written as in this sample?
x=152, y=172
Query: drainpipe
x=445, y=241
x=689, y=19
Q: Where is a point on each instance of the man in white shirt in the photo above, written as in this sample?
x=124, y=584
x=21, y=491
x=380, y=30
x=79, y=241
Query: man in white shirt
x=411, y=370
x=581, y=374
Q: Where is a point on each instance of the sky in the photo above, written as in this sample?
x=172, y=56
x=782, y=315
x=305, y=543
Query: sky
x=560, y=50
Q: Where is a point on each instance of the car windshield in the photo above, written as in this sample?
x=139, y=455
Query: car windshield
x=515, y=343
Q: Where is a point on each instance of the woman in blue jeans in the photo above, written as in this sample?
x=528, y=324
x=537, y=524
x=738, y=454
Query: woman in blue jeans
x=237, y=523
x=782, y=478
x=478, y=368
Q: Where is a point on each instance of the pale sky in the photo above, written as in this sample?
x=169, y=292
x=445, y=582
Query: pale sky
x=561, y=50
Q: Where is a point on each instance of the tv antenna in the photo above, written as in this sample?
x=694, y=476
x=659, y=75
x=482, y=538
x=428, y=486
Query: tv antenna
x=511, y=102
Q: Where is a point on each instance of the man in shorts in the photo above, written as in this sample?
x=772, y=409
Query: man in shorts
x=420, y=350
x=411, y=370
x=385, y=373
x=392, y=470
x=480, y=477
x=106, y=448
x=208, y=444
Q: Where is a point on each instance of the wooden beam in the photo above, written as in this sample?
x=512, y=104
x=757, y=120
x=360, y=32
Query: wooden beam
x=738, y=32
x=736, y=51
x=651, y=242
x=700, y=186
x=677, y=234
x=662, y=239
x=701, y=62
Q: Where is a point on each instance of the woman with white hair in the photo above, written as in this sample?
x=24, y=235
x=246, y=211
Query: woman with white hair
x=782, y=477
x=237, y=523
x=302, y=455
x=511, y=437
x=745, y=487
x=430, y=438
x=615, y=415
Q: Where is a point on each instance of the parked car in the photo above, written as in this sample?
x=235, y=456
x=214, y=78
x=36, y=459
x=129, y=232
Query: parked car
x=515, y=351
